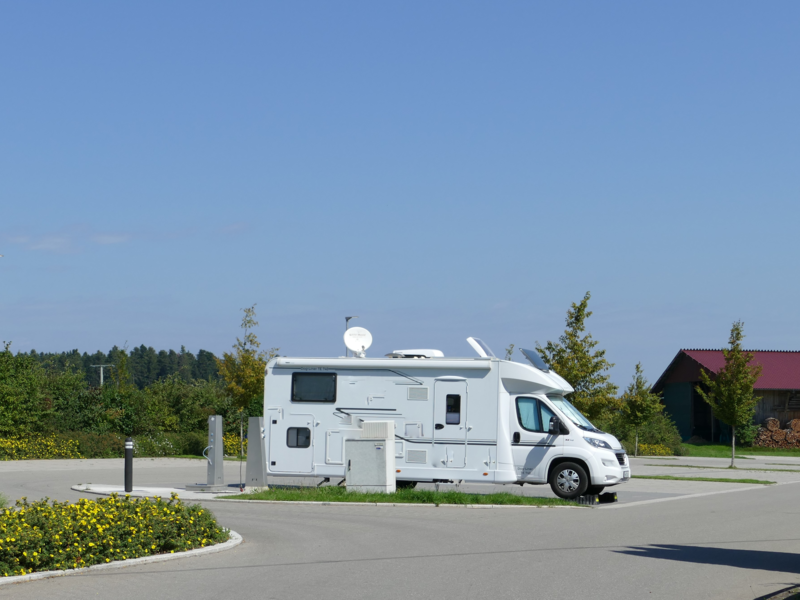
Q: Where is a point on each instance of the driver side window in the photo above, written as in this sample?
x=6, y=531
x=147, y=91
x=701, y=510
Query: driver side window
x=534, y=415
x=528, y=414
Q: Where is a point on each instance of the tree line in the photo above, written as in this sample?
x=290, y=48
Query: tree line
x=149, y=394
x=145, y=365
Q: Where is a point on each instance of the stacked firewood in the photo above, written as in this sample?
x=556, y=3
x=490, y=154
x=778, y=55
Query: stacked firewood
x=772, y=436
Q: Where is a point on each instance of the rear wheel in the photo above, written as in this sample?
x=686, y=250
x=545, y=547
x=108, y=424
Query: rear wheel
x=595, y=489
x=406, y=485
x=569, y=480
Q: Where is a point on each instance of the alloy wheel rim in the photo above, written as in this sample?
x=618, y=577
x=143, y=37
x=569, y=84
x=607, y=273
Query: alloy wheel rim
x=568, y=480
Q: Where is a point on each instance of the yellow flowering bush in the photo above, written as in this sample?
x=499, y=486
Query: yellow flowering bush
x=37, y=447
x=45, y=536
x=232, y=446
x=654, y=450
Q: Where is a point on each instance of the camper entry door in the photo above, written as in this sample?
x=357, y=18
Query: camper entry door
x=450, y=423
x=291, y=443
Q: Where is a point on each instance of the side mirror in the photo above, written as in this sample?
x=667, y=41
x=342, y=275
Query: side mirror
x=555, y=426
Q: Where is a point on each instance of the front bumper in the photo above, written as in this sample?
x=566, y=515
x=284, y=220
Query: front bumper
x=614, y=468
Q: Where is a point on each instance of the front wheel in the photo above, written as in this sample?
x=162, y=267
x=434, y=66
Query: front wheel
x=569, y=481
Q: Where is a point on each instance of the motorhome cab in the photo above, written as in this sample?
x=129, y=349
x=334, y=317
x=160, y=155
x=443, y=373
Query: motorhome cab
x=477, y=419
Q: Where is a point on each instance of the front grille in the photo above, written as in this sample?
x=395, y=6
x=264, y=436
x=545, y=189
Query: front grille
x=622, y=458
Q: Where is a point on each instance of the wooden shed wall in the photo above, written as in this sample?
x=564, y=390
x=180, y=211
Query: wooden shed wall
x=783, y=405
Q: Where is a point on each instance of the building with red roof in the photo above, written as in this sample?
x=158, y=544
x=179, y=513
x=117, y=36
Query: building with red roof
x=778, y=386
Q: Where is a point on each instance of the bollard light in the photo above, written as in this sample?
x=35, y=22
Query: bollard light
x=128, y=465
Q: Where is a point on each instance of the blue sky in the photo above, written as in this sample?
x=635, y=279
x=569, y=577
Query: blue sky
x=441, y=170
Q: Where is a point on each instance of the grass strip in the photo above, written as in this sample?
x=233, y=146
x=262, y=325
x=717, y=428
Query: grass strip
x=194, y=456
x=712, y=479
x=756, y=469
x=723, y=451
x=405, y=496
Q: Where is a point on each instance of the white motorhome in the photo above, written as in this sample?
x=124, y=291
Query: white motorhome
x=478, y=419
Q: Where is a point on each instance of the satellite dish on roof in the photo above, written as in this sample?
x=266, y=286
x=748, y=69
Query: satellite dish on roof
x=357, y=340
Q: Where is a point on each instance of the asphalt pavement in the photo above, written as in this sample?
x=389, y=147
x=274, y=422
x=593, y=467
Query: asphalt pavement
x=665, y=539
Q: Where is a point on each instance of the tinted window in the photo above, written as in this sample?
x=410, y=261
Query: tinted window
x=453, y=403
x=298, y=437
x=528, y=414
x=313, y=387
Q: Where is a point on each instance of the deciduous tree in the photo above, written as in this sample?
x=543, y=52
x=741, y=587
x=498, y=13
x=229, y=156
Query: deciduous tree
x=243, y=369
x=730, y=393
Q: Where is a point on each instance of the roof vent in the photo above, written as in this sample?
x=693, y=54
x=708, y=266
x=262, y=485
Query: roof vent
x=416, y=353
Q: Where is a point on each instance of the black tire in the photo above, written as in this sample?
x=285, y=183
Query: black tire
x=595, y=490
x=569, y=480
x=406, y=485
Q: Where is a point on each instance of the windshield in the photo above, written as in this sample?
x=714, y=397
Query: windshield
x=572, y=413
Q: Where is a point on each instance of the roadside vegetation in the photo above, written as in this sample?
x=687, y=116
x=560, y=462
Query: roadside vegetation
x=724, y=451
x=54, y=406
x=47, y=536
x=401, y=496
x=757, y=469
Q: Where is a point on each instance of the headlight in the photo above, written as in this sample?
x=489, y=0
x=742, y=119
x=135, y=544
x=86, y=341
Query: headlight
x=597, y=443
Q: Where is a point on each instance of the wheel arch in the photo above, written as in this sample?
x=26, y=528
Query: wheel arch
x=565, y=459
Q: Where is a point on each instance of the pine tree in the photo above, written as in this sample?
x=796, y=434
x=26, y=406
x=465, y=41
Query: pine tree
x=730, y=393
x=575, y=359
x=639, y=405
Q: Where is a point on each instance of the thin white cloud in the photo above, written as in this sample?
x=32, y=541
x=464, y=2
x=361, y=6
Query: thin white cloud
x=67, y=240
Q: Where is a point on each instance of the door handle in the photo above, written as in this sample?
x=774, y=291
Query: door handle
x=516, y=437
x=438, y=426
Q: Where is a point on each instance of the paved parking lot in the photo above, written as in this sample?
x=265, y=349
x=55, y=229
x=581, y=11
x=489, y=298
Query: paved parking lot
x=665, y=539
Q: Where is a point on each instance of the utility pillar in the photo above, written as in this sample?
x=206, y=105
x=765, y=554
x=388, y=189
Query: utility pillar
x=256, y=475
x=215, y=455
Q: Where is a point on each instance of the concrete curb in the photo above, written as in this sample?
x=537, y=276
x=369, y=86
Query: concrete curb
x=235, y=540
x=221, y=498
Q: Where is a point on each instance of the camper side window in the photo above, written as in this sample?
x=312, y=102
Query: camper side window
x=453, y=415
x=298, y=437
x=528, y=414
x=313, y=387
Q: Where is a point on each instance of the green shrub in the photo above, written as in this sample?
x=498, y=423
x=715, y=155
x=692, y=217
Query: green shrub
x=97, y=445
x=38, y=447
x=193, y=442
x=745, y=436
x=40, y=536
x=3, y=500
x=659, y=430
x=654, y=450
x=233, y=444
x=112, y=445
x=23, y=405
